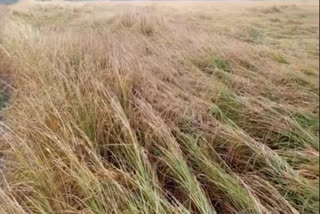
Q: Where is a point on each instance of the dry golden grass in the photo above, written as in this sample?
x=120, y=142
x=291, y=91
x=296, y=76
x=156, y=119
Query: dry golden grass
x=166, y=107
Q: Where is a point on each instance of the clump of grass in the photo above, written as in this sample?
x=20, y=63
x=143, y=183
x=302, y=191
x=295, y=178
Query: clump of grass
x=273, y=9
x=251, y=33
x=140, y=21
x=308, y=121
x=21, y=15
x=211, y=63
x=237, y=194
x=278, y=57
x=275, y=20
x=229, y=104
x=4, y=98
x=6, y=68
x=222, y=64
x=256, y=34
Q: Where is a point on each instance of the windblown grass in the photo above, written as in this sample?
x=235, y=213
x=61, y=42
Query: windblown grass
x=148, y=108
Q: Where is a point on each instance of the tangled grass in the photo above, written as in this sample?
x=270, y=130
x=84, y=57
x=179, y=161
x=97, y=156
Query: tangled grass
x=154, y=108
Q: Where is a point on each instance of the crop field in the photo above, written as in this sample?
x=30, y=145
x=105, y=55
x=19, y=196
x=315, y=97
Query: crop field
x=159, y=107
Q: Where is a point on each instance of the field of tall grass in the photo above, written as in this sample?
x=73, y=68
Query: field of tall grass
x=159, y=107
